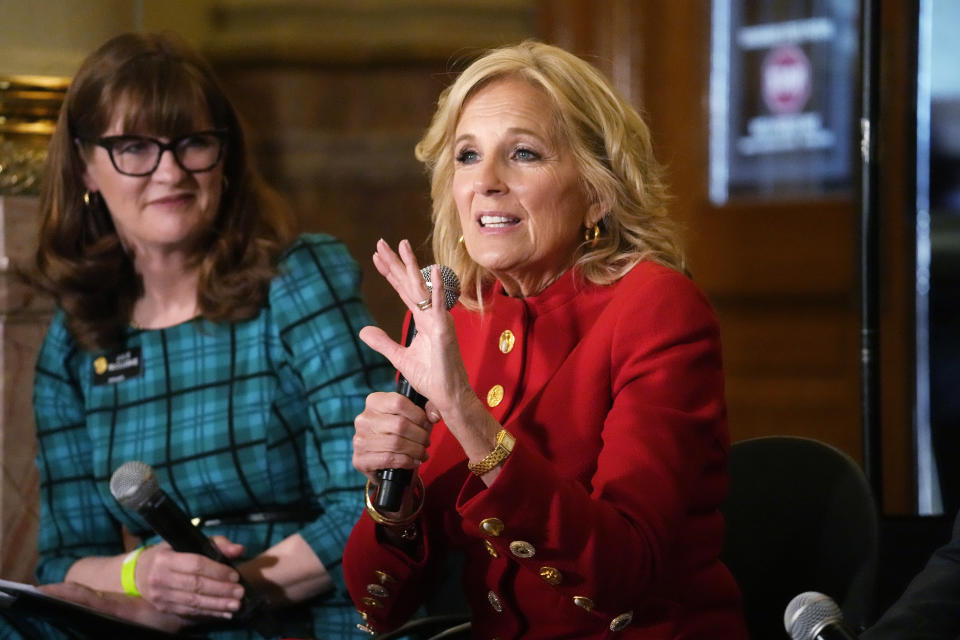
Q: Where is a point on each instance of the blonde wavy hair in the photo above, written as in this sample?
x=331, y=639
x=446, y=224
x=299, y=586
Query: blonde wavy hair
x=611, y=145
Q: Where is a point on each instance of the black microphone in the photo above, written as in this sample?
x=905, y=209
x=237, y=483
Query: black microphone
x=135, y=487
x=394, y=481
x=815, y=616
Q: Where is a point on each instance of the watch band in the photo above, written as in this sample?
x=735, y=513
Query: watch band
x=501, y=450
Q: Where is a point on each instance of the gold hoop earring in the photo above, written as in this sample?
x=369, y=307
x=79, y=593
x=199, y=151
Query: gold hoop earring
x=86, y=198
x=592, y=235
x=460, y=239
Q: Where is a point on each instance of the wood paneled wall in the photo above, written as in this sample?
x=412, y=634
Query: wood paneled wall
x=897, y=194
x=338, y=142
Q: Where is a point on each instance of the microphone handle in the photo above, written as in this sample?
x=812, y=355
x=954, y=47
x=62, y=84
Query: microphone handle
x=404, y=388
x=170, y=522
x=394, y=481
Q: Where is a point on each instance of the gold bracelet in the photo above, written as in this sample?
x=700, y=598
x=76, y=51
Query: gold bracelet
x=501, y=451
x=387, y=521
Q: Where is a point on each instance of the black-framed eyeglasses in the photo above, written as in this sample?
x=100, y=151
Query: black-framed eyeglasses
x=140, y=155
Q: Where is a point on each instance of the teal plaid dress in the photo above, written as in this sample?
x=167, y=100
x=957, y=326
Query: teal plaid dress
x=236, y=417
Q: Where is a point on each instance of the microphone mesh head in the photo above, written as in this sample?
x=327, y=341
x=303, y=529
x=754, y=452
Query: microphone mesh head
x=451, y=284
x=133, y=483
x=808, y=613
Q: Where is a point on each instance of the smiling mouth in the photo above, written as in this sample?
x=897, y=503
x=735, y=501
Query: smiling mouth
x=175, y=199
x=498, y=221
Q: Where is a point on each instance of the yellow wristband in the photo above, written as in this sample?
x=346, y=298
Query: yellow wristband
x=128, y=570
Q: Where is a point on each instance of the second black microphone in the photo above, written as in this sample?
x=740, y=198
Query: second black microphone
x=135, y=487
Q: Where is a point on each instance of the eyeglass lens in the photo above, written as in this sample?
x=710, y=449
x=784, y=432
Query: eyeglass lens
x=140, y=156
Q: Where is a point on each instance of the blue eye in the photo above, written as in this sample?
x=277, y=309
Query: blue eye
x=467, y=156
x=525, y=154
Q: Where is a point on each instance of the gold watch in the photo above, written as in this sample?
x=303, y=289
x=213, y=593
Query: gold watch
x=501, y=450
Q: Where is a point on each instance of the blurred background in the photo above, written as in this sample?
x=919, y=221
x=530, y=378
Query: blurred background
x=755, y=109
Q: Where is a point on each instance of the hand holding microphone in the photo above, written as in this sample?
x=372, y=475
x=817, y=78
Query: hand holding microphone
x=393, y=482
x=135, y=487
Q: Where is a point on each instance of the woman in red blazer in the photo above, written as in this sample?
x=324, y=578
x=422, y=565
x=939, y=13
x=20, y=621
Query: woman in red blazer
x=574, y=441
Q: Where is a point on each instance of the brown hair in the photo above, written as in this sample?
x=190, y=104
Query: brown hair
x=609, y=140
x=164, y=84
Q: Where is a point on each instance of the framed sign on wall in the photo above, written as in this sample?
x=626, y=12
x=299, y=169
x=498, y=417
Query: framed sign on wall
x=783, y=91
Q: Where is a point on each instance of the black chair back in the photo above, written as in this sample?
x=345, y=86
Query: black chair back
x=800, y=517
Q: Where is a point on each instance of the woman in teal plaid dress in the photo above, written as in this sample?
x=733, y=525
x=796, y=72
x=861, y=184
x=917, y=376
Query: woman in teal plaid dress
x=196, y=334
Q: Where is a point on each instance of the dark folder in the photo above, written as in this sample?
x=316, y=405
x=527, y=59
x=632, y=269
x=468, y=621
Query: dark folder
x=24, y=603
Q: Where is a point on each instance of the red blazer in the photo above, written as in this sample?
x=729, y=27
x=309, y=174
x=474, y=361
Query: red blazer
x=604, y=521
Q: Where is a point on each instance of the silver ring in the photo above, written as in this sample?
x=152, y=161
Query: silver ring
x=425, y=304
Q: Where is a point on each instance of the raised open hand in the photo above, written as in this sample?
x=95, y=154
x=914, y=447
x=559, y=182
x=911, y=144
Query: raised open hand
x=432, y=363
